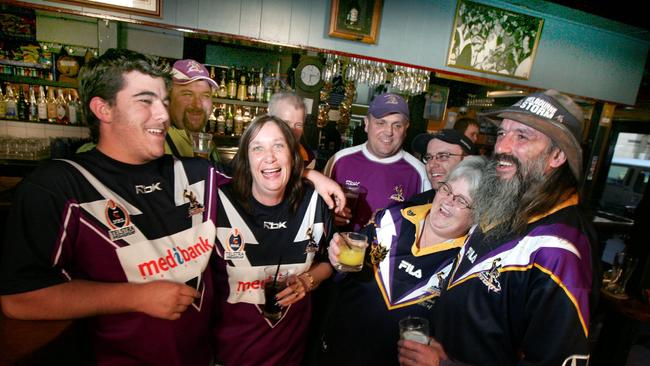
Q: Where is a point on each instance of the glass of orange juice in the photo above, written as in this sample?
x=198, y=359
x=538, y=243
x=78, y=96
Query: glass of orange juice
x=351, y=252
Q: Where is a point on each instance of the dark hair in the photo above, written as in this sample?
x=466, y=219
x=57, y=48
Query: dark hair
x=104, y=77
x=242, y=178
x=462, y=124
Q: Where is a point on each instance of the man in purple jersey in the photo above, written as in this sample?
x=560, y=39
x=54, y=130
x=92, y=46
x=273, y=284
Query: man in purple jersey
x=519, y=291
x=382, y=172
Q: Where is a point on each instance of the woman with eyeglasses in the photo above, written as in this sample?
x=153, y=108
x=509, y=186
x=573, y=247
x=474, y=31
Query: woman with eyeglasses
x=410, y=251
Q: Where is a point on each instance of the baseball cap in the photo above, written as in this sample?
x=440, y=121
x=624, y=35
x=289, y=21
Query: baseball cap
x=388, y=103
x=187, y=71
x=553, y=114
x=448, y=135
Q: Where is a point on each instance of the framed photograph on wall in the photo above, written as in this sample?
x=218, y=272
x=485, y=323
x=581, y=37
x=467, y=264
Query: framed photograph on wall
x=494, y=40
x=357, y=20
x=151, y=8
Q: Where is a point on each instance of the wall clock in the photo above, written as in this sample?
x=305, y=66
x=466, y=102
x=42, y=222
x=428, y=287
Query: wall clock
x=309, y=74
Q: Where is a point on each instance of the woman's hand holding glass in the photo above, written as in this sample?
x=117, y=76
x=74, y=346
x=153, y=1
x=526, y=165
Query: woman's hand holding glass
x=297, y=289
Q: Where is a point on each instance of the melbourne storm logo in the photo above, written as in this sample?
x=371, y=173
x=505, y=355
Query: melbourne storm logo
x=490, y=278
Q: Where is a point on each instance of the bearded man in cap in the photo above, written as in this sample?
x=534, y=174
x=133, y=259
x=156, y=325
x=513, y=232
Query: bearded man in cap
x=519, y=292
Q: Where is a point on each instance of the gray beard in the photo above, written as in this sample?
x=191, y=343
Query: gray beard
x=498, y=200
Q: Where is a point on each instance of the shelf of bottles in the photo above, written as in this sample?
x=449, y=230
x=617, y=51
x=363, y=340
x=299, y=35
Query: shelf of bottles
x=39, y=103
x=241, y=96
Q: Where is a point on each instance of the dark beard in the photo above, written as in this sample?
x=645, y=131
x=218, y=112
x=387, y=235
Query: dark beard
x=498, y=200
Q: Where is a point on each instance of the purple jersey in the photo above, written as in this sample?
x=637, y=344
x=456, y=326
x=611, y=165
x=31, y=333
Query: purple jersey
x=156, y=222
x=381, y=181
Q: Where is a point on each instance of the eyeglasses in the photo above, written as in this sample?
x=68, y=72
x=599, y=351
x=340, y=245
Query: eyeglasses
x=458, y=200
x=441, y=157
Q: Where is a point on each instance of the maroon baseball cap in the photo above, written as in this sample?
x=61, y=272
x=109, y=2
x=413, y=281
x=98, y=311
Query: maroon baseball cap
x=187, y=71
x=388, y=103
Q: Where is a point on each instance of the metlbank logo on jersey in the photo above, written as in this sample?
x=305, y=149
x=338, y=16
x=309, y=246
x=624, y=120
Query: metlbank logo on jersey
x=176, y=258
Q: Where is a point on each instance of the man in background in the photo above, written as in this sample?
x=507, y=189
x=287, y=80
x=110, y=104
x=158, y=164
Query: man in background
x=291, y=108
x=526, y=272
x=441, y=152
x=382, y=171
x=468, y=127
x=190, y=107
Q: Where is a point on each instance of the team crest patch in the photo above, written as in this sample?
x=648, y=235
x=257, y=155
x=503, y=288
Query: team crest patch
x=399, y=194
x=378, y=253
x=118, y=220
x=235, y=246
x=312, y=246
x=195, y=207
x=490, y=278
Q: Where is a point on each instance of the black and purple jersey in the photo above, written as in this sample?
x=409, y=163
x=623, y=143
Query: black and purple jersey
x=97, y=219
x=361, y=325
x=521, y=300
x=247, y=245
x=382, y=182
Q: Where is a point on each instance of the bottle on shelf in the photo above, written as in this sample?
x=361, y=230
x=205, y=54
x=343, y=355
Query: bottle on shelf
x=61, y=108
x=259, y=88
x=73, y=109
x=51, y=105
x=33, y=105
x=242, y=92
x=246, y=118
x=211, y=126
x=252, y=85
x=3, y=105
x=22, y=106
x=11, y=109
x=232, y=83
x=221, y=120
x=41, y=105
x=222, y=92
x=230, y=122
x=239, y=122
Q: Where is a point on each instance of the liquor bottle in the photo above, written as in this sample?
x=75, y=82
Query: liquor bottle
x=221, y=120
x=41, y=105
x=51, y=105
x=33, y=105
x=11, y=111
x=222, y=92
x=75, y=97
x=61, y=108
x=211, y=126
x=3, y=106
x=232, y=83
x=246, y=119
x=252, y=85
x=230, y=124
x=259, y=89
x=73, y=107
x=242, y=92
x=239, y=122
x=22, y=106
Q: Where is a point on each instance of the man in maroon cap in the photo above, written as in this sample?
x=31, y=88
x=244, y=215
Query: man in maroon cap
x=382, y=171
x=190, y=106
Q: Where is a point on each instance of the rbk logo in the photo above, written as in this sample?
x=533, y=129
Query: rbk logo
x=148, y=189
x=275, y=225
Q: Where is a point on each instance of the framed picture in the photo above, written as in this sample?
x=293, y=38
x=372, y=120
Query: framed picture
x=435, y=106
x=493, y=40
x=357, y=20
x=139, y=7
